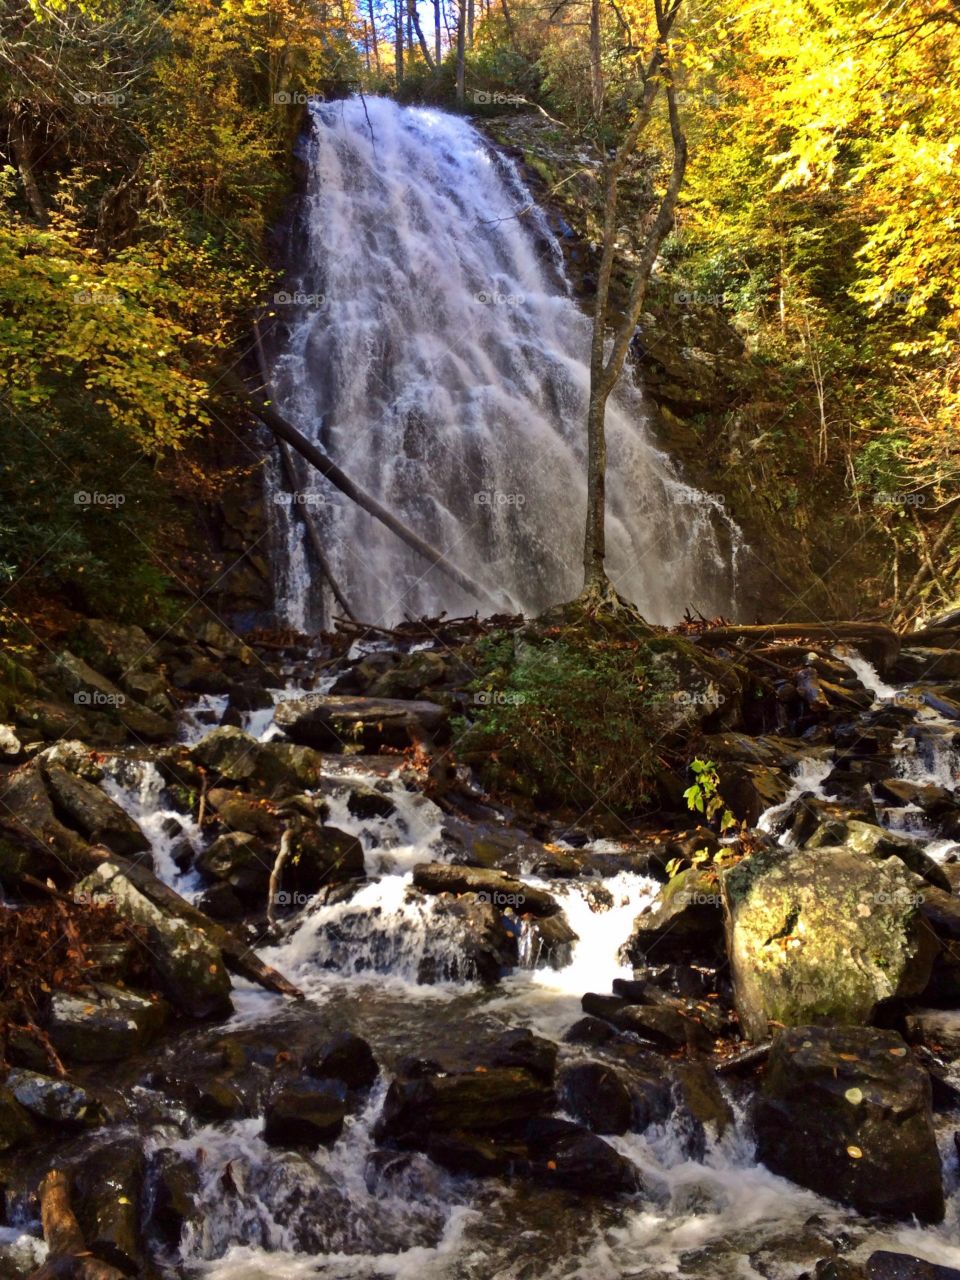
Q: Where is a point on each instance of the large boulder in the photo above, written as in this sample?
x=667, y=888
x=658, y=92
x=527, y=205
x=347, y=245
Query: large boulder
x=94, y=692
x=304, y=1112
x=103, y=1023
x=877, y=842
x=61, y=1102
x=188, y=965
x=341, y=723
x=594, y=1093
x=84, y=806
x=231, y=756
x=822, y=935
x=847, y=1113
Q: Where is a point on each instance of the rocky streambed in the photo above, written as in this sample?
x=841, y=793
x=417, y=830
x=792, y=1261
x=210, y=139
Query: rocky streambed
x=289, y=992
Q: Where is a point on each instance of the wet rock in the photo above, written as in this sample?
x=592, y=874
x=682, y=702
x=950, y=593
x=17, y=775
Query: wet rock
x=497, y=1100
x=664, y=1027
x=546, y=942
x=240, y=812
x=115, y=648
x=939, y=1029
x=810, y=812
x=103, y=1023
x=46, y=844
x=304, y=1112
x=242, y=862
x=565, y=1155
x=686, y=923
x=822, y=935
x=877, y=842
x=507, y=849
x=519, y=1047
x=56, y=1100
x=173, y=1195
x=221, y=903
x=702, y=1097
x=109, y=1194
x=348, y=1058
x=489, y=886
x=341, y=723
x=231, y=756
x=590, y=1031
x=486, y=948
x=83, y=805
x=16, y=1127
x=305, y=764
x=750, y=789
x=593, y=1093
x=846, y=1112
x=319, y=856
x=410, y=676
x=884, y=1265
x=366, y=803
x=189, y=967
x=918, y=663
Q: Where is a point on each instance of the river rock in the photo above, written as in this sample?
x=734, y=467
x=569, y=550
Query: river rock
x=321, y=855
x=489, y=886
x=341, y=723
x=665, y=1027
x=231, y=756
x=846, y=1112
x=241, y=861
x=877, y=842
x=939, y=1029
x=239, y=812
x=116, y=648
x=16, y=1127
x=822, y=935
x=594, y=1093
x=348, y=1058
x=884, y=1265
x=565, y=1155
x=685, y=924
x=496, y=1100
x=92, y=691
x=749, y=790
x=58, y=1101
x=103, y=1023
x=519, y=1047
x=189, y=967
x=110, y=1187
x=83, y=805
x=304, y=1112
x=918, y=663
x=546, y=942
x=10, y=744
x=39, y=844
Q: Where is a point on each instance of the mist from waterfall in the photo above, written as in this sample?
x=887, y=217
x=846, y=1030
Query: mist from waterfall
x=427, y=340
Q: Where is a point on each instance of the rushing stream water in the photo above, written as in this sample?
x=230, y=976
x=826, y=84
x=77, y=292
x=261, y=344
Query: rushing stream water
x=711, y=1213
x=431, y=346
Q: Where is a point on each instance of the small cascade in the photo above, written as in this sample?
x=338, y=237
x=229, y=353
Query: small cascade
x=429, y=345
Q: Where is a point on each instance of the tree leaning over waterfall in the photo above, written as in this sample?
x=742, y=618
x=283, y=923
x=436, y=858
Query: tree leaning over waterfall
x=606, y=362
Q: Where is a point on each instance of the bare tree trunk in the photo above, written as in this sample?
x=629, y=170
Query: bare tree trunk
x=436, y=30
x=470, y=23
x=415, y=19
x=508, y=19
x=461, y=51
x=23, y=151
x=596, y=71
x=398, y=39
x=373, y=32
x=605, y=369
x=366, y=44
x=409, y=36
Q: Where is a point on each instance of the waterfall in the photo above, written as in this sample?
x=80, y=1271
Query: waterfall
x=427, y=340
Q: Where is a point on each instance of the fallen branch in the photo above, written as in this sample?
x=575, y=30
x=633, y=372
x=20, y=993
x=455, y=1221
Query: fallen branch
x=283, y=854
x=285, y=430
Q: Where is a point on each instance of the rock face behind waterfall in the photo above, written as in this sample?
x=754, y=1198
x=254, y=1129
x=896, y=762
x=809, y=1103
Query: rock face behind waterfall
x=439, y=359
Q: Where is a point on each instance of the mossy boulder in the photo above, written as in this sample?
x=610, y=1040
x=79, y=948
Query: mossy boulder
x=822, y=936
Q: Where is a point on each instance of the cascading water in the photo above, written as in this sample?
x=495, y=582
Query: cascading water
x=430, y=345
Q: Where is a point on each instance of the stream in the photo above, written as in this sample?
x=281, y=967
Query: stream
x=342, y=1212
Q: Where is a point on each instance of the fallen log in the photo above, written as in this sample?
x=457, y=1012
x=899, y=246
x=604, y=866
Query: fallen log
x=879, y=641
x=68, y=1252
x=285, y=430
x=746, y=1059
